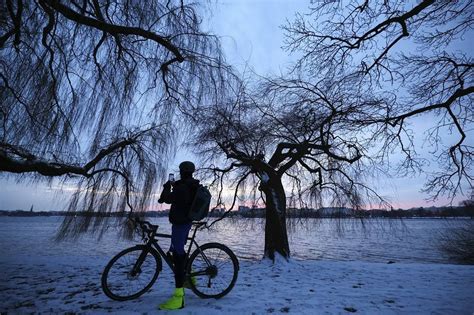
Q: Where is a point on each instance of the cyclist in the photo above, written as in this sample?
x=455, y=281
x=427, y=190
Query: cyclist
x=180, y=195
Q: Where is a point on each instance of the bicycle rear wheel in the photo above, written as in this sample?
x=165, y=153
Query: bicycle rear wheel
x=213, y=269
x=131, y=273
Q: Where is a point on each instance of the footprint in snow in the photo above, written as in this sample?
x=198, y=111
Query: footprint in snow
x=285, y=309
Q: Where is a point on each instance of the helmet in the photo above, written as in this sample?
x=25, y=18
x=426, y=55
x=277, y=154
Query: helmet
x=187, y=167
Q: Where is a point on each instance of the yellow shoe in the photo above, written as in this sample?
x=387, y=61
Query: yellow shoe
x=175, y=302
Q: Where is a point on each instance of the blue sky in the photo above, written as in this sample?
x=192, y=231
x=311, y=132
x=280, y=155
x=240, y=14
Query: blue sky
x=251, y=36
x=250, y=32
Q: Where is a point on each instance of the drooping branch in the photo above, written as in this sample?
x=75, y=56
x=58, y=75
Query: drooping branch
x=254, y=162
x=18, y=160
x=341, y=36
x=446, y=104
x=234, y=200
x=11, y=160
x=16, y=19
x=382, y=26
x=78, y=78
x=113, y=28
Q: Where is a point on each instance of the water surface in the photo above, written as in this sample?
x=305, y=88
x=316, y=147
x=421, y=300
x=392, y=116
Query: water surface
x=381, y=240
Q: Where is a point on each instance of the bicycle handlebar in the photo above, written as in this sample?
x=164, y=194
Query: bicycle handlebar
x=145, y=226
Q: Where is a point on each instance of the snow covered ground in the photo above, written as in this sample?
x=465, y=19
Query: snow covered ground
x=72, y=284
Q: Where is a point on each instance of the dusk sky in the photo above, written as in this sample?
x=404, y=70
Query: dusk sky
x=251, y=37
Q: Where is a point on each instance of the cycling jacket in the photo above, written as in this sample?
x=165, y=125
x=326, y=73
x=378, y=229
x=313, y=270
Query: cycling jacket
x=180, y=198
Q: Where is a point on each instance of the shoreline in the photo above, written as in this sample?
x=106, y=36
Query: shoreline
x=27, y=214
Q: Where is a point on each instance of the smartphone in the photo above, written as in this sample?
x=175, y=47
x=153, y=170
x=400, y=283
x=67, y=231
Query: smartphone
x=171, y=178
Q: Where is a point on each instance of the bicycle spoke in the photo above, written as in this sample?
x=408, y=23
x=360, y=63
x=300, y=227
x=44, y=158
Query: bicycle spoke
x=220, y=271
x=123, y=281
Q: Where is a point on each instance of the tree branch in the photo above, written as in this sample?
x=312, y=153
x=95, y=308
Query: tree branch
x=393, y=121
x=30, y=163
x=112, y=28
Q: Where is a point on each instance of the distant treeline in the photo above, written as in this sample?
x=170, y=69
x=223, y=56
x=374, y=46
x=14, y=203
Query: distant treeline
x=445, y=212
x=23, y=213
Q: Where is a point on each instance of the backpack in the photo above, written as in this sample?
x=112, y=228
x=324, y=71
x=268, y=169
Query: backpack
x=201, y=203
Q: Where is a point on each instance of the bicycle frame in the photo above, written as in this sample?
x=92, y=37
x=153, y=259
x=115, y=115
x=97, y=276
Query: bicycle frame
x=201, y=265
x=153, y=242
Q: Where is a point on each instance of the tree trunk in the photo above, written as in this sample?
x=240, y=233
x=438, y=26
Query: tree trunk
x=276, y=237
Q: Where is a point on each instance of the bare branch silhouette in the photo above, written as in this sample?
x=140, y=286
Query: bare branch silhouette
x=93, y=94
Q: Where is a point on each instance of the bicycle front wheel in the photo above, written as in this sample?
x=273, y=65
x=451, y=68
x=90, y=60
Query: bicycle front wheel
x=131, y=273
x=212, y=270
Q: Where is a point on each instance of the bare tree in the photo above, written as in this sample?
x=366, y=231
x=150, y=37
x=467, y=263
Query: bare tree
x=414, y=56
x=90, y=91
x=295, y=142
x=365, y=68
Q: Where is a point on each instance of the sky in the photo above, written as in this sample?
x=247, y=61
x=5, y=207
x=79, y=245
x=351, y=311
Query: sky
x=250, y=32
x=251, y=37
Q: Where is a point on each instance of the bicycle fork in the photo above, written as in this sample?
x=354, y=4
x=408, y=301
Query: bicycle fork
x=136, y=270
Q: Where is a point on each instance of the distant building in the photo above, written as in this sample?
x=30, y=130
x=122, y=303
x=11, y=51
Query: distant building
x=243, y=209
x=335, y=212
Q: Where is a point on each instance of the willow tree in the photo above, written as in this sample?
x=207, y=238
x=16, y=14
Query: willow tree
x=364, y=69
x=414, y=56
x=297, y=143
x=90, y=91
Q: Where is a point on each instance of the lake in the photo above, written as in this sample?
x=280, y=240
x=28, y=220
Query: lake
x=372, y=240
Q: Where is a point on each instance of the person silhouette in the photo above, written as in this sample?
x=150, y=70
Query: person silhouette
x=180, y=195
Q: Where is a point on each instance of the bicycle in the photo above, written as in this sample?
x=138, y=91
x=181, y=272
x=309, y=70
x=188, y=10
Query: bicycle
x=211, y=270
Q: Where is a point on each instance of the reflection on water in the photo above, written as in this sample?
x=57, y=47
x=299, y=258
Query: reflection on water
x=382, y=240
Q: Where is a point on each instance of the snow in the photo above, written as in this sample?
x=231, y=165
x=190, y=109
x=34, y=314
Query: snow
x=41, y=276
x=72, y=284
x=264, y=176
